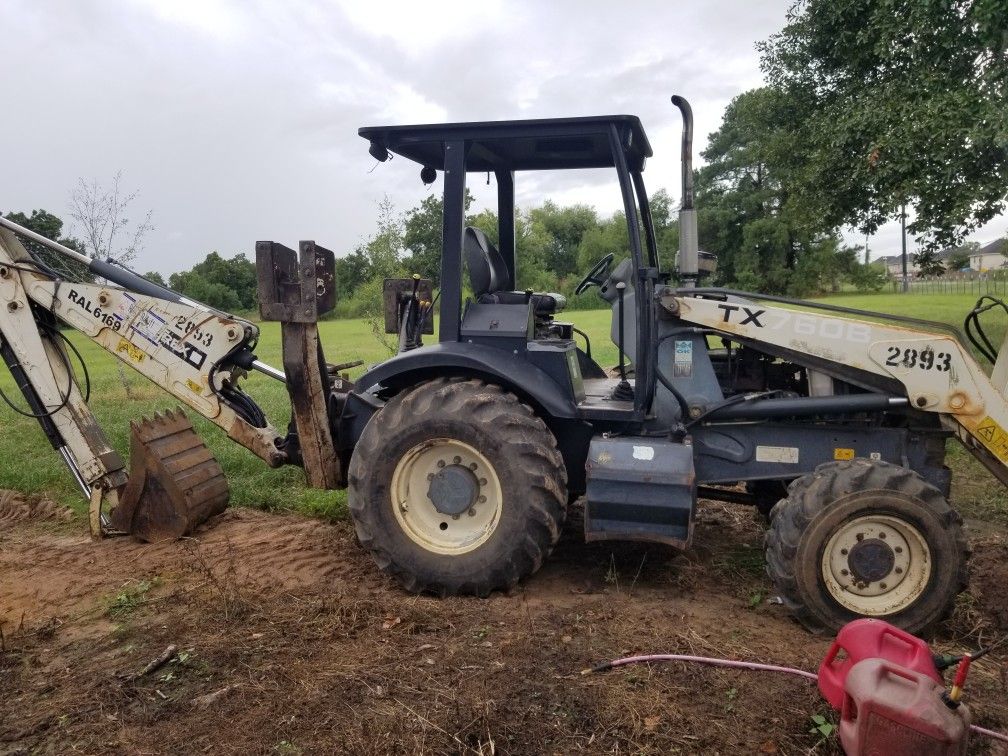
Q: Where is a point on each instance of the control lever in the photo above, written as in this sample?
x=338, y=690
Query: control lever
x=410, y=323
x=624, y=391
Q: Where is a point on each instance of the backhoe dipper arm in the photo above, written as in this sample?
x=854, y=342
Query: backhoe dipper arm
x=192, y=351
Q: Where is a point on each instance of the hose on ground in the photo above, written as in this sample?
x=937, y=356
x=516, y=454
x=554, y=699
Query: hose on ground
x=735, y=664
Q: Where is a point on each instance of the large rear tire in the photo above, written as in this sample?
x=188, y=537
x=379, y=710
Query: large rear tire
x=864, y=538
x=456, y=487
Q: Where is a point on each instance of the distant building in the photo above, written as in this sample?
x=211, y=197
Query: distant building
x=988, y=257
x=894, y=263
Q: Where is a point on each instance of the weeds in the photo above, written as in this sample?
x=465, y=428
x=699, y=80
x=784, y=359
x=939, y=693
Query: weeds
x=130, y=597
x=612, y=574
x=821, y=725
x=221, y=580
x=742, y=561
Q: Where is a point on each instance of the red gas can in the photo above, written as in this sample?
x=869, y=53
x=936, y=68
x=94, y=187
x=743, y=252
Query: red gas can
x=870, y=639
x=889, y=710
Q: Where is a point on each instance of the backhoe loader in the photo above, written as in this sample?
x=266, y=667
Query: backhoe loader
x=461, y=456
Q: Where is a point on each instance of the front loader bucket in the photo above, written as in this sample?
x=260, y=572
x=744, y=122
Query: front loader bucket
x=175, y=482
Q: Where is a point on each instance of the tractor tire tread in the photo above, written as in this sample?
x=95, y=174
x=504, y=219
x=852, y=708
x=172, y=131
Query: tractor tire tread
x=527, y=438
x=811, y=494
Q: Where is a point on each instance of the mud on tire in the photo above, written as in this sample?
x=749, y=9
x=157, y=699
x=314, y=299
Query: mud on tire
x=500, y=433
x=825, y=510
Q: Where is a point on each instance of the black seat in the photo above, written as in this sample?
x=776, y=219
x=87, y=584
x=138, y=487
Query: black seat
x=490, y=280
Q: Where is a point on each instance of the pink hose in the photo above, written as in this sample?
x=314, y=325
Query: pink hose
x=731, y=663
x=990, y=733
x=705, y=660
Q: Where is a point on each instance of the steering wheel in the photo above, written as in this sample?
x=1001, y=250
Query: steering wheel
x=597, y=275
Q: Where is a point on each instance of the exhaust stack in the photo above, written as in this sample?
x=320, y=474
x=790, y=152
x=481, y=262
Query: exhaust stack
x=689, y=264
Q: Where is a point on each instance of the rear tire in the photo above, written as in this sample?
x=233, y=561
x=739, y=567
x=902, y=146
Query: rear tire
x=865, y=538
x=493, y=469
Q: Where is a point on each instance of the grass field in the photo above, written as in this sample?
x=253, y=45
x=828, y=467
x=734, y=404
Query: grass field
x=28, y=464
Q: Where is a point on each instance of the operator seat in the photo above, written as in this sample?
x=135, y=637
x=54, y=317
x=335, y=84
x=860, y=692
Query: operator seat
x=490, y=281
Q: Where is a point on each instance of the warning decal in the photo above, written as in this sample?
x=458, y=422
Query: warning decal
x=134, y=353
x=993, y=437
x=682, y=366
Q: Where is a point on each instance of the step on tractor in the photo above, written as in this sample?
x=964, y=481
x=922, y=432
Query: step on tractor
x=461, y=456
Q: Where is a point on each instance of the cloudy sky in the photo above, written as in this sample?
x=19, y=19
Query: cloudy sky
x=237, y=119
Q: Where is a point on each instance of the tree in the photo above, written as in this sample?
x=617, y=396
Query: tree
x=385, y=249
x=960, y=257
x=48, y=225
x=102, y=215
x=566, y=227
x=227, y=284
x=422, y=236
x=897, y=101
x=666, y=225
x=609, y=235
x=198, y=287
x=928, y=263
x=154, y=277
x=351, y=271
x=743, y=193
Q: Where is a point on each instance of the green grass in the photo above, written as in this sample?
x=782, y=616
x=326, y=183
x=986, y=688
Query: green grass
x=28, y=464
x=944, y=308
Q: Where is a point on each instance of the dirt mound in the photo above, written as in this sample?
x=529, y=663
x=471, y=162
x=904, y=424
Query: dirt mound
x=63, y=573
x=16, y=506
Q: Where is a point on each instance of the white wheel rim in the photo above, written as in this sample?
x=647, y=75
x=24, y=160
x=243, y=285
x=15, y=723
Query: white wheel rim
x=444, y=532
x=876, y=565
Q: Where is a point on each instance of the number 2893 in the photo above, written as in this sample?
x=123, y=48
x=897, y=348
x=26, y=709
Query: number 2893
x=925, y=359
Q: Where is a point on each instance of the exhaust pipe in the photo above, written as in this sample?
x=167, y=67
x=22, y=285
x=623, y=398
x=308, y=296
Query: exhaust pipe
x=689, y=262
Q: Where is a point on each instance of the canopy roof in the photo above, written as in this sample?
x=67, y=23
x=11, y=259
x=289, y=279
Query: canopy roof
x=540, y=144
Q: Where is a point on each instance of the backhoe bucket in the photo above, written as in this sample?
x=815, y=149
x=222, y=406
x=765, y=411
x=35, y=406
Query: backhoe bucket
x=175, y=482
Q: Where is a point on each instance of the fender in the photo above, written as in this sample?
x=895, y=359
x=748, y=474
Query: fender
x=527, y=381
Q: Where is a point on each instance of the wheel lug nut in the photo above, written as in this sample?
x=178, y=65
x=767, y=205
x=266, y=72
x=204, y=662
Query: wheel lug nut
x=898, y=549
x=472, y=466
x=843, y=551
x=898, y=570
x=483, y=481
x=472, y=512
x=882, y=586
x=441, y=463
x=455, y=517
x=844, y=572
x=860, y=536
x=456, y=460
x=481, y=500
x=882, y=536
x=430, y=476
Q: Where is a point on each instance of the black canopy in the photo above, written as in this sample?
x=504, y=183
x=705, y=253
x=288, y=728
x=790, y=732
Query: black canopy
x=540, y=144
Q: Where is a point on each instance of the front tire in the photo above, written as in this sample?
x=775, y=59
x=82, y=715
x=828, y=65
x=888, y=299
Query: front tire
x=456, y=487
x=863, y=538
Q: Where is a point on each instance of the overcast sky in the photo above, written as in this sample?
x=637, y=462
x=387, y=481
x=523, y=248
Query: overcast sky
x=237, y=121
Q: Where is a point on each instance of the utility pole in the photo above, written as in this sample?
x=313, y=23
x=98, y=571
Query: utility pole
x=906, y=284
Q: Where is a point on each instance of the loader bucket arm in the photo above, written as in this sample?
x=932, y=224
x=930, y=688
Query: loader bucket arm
x=926, y=366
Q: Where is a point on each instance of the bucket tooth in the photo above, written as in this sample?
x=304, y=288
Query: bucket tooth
x=175, y=482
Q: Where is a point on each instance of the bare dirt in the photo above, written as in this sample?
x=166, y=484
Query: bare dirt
x=287, y=640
